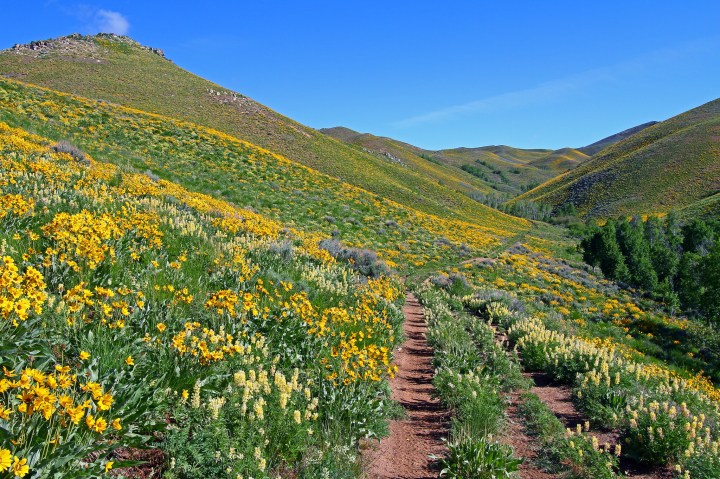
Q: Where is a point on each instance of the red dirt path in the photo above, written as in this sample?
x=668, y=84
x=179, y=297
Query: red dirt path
x=404, y=454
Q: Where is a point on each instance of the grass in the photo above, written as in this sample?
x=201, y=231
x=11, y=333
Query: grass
x=414, y=158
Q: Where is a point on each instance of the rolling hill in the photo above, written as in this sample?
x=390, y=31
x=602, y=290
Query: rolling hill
x=599, y=145
x=488, y=169
x=412, y=157
x=119, y=70
x=210, y=162
x=669, y=165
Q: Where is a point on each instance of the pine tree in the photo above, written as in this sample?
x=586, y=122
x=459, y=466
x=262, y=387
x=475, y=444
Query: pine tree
x=697, y=237
x=711, y=283
x=609, y=257
x=689, y=282
x=665, y=259
x=636, y=250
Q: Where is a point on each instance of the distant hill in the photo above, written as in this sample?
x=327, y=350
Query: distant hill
x=497, y=168
x=598, y=146
x=673, y=164
x=413, y=158
x=119, y=70
x=563, y=159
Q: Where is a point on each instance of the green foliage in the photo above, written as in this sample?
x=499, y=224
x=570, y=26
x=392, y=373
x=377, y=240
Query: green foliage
x=540, y=420
x=474, y=398
x=636, y=251
x=478, y=459
x=600, y=248
x=472, y=372
x=676, y=263
x=586, y=459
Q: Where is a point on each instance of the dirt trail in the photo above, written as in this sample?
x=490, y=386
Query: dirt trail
x=523, y=445
x=404, y=453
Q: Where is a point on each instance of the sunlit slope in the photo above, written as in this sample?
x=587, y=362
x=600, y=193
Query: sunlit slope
x=599, y=145
x=211, y=162
x=672, y=164
x=119, y=70
x=487, y=169
x=119, y=291
x=560, y=160
x=411, y=157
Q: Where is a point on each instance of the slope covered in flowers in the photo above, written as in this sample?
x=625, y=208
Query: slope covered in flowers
x=122, y=71
x=134, y=312
x=214, y=163
x=639, y=376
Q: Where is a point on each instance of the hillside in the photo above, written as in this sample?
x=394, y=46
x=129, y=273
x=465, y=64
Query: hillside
x=411, y=157
x=120, y=70
x=179, y=302
x=246, y=175
x=598, y=146
x=560, y=160
x=128, y=300
x=670, y=165
x=489, y=169
x=151, y=266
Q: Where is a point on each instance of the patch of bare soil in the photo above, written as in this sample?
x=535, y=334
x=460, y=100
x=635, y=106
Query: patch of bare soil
x=559, y=399
x=404, y=454
x=523, y=445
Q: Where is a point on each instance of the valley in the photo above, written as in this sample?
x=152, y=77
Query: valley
x=194, y=285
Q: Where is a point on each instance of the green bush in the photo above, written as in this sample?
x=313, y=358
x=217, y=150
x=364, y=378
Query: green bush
x=478, y=459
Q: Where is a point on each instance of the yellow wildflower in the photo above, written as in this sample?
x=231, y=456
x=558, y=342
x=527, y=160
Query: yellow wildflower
x=5, y=460
x=20, y=467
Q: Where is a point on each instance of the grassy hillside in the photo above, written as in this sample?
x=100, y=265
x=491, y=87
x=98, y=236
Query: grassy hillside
x=600, y=145
x=135, y=313
x=248, y=176
x=489, y=169
x=119, y=70
x=560, y=160
x=670, y=165
x=412, y=157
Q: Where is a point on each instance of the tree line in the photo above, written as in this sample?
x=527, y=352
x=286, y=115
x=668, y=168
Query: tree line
x=676, y=262
x=523, y=209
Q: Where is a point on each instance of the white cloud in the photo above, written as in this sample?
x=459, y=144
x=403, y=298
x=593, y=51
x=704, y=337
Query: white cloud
x=111, y=22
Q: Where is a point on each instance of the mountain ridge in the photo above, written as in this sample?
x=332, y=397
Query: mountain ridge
x=669, y=165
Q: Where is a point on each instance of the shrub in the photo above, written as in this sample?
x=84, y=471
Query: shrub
x=364, y=261
x=479, y=459
x=64, y=146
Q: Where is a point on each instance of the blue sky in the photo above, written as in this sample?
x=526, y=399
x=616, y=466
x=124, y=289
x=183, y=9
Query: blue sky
x=529, y=74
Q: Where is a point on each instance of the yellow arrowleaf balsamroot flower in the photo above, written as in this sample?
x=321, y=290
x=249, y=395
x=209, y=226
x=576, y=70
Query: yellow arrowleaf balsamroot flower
x=109, y=465
x=105, y=402
x=130, y=361
x=84, y=355
x=20, y=467
x=5, y=460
